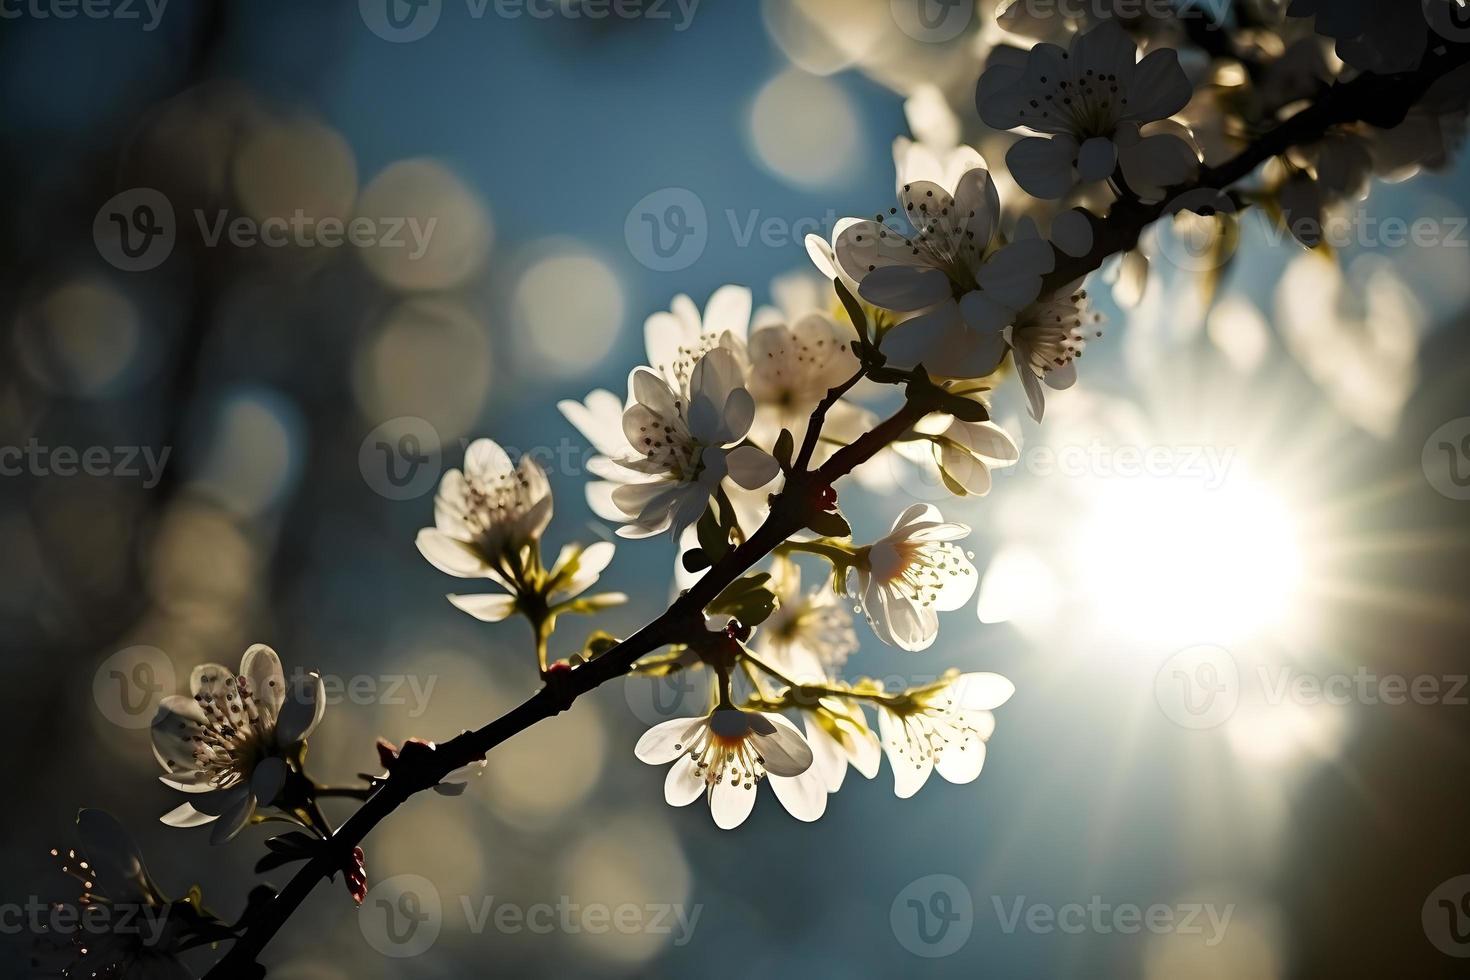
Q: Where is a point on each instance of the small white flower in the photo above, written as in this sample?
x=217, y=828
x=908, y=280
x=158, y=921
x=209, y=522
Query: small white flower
x=488, y=524
x=954, y=271
x=810, y=635
x=676, y=339
x=839, y=737
x=486, y=517
x=726, y=754
x=227, y=745
x=1045, y=341
x=961, y=454
x=1098, y=108
x=943, y=727
x=913, y=573
x=791, y=370
x=681, y=445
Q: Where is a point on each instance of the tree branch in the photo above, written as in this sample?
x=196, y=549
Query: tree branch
x=1379, y=100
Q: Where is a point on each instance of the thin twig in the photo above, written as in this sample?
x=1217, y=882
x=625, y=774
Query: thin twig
x=1376, y=99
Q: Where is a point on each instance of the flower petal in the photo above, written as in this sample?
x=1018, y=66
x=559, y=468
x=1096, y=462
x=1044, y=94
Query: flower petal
x=728, y=310
x=451, y=556
x=306, y=701
x=1043, y=166
x=267, y=779
x=904, y=288
x=962, y=759
x=1096, y=159
x=1159, y=87
x=233, y=820
x=684, y=783
x=750, y=467
x=262, y=669
x=784, y=751
x=666, y=741
x=730, y=803
x=910, y=769
x=982, y=691
x=803, y=796
x=489, y=607
x=185, y=815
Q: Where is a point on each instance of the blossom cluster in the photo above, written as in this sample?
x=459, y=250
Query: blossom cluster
x=744, y=419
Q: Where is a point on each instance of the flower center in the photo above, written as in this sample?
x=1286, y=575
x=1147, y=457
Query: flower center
x=1056, y=332
x=722, y=754
x=1085, y=106
x=237, y=731
x=917, y=569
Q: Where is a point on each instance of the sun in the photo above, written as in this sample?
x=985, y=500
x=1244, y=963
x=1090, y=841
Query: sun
x=1177, y=559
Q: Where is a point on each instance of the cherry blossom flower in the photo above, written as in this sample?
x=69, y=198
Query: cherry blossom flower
x=1047, y=339
x=489, y=520
x=676, y=339
x=228, y=744
x=961, y=454
x=810, y=634
x=840, y=737
x=791, y=370
x=133, y=932
x=942, y=727
x=489, y=516
x=911, y=574
x=726, y=754
x=955, y=272
x=1097, y=109
x=683, y=443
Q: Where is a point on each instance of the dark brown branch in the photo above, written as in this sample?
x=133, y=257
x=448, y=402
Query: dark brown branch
x=1379, y=100
x=421, y=769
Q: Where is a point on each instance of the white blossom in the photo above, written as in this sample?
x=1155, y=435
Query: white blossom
x=1046, y=341
x=487, y=517
x=1097, y=108
x=953, y=271
x=840, y=737
x=810, y=634
x=228, y=743
x=726, y=754
x=683, y=442
x=943, y=727
x=911, y=574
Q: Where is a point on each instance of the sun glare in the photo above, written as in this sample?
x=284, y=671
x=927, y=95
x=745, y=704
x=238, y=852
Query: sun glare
x=1171, y=559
